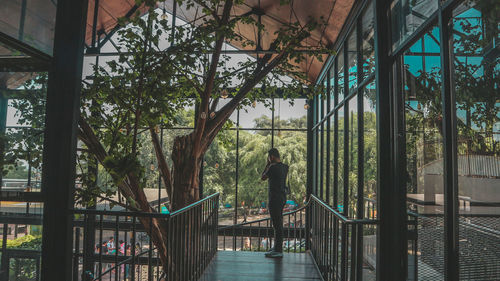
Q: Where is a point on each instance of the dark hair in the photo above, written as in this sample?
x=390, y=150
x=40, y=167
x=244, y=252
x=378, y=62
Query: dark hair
x=274, y=152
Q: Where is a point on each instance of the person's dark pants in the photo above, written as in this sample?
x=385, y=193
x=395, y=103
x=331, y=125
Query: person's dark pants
x=276, y=212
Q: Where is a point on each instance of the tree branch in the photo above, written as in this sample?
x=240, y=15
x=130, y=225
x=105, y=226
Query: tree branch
x=210, y=79
x=261, y=71
x=165, y=172
x=213, y=12
x=194, y=84
x=117, y=203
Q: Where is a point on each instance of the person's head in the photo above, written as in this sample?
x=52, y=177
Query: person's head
x=273, y=155
x=111, y=238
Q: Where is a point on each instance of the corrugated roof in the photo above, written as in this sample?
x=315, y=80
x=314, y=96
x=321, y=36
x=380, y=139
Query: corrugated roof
x=335, y=13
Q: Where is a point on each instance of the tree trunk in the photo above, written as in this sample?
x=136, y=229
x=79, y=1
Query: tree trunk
x=157, y=228
x=186, y=170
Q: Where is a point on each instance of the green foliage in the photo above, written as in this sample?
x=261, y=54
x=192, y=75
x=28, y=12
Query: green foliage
x=166, y=69
x=24, y=269
x=220, y=168
x=25, y=143
x=120, y=166
x=19, y=171
x=32, y=242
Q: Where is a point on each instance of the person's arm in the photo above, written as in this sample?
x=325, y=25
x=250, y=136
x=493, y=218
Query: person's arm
x=265, y=174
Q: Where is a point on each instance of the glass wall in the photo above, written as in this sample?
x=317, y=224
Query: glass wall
x=353, y=140
x=421, y=87
x=476, y=69
x=235, y=160
x=237, y=157
x=22, y=123
x=30, y=21
x=440, y=152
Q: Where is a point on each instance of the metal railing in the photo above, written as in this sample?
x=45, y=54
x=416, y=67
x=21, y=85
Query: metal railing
x=336, y=242
x=258, y=235
x=115, y=246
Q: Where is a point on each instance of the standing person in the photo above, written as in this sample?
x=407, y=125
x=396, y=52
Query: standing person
x=122, y=248
x=111, y=245
x=128, y=253
x=276, y=173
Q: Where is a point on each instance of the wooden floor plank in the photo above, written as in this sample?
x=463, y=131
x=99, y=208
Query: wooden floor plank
x=243, y=266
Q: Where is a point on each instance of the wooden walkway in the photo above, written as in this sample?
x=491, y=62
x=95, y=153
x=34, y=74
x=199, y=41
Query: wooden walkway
x=250, y=266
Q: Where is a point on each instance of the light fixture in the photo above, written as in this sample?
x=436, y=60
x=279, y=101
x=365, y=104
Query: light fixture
x=306, y=106
x=212, y=115
x=164, y=15
x=224, y=94
x=152, y=167
x=216, y=165
x=203, y=115
x=157, y=129
x=204, y=163
x=254, y=104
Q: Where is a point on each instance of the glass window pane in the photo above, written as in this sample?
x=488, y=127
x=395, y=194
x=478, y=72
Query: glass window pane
x=219, y=173
x=353, y=155
x=333, y=177
x=25, y=125
x=325, y=163
x=407, y=16
x=30, y=21
x=370, y=150
x=340, y=158
x=332, y=87
x=340, y=74
x=368, y=44
x=370, y=178
x=290, y=114
x=352, y=60
x=476, y=78
x=424, y=153
x=293, y=151
x=256, y=115
x=24, y=269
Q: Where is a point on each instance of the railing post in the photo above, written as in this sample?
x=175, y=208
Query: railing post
x=88, y=247
x=76, y=254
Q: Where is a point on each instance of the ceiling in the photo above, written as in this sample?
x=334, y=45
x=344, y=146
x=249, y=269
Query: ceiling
x=334, y=12
x=40, y=20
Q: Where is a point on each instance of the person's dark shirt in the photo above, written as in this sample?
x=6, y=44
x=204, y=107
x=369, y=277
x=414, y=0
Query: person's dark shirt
x=276, y=174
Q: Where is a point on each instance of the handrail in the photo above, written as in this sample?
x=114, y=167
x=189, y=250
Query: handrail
x=119, y=213
x=261, y=220
x=192, y=242
x=194, y=204
x=141, y=214
x=315, y=198
x=341, y=217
